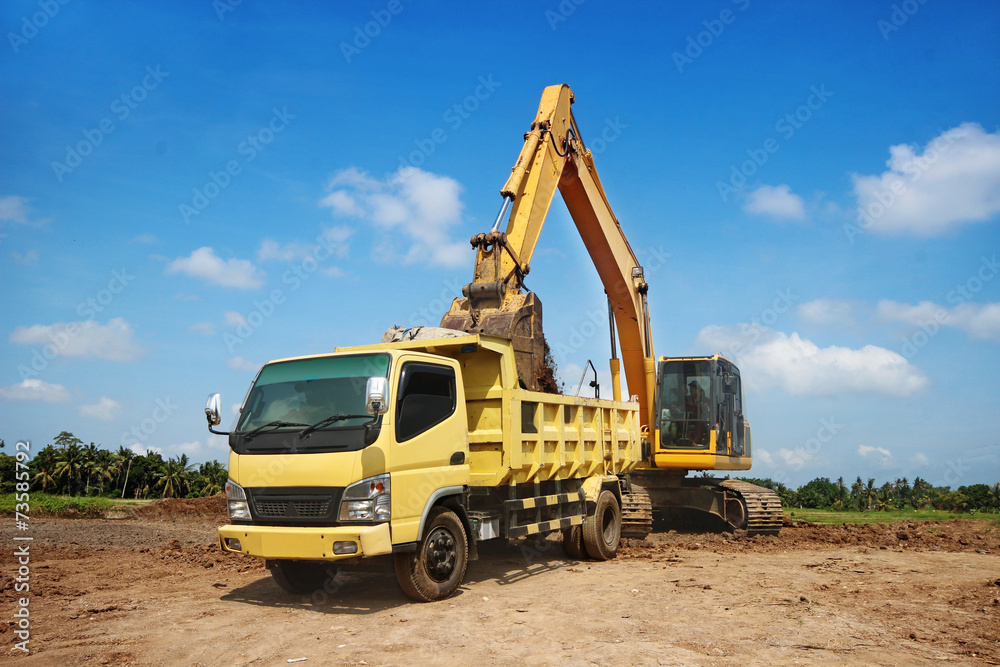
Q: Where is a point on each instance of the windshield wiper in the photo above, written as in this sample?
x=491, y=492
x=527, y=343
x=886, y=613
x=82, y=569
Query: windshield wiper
x=330, y=420
x=275, y=424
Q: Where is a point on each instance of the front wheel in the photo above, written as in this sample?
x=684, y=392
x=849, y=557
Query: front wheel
x=301, y=577
x=603, y=530
x=436, y=569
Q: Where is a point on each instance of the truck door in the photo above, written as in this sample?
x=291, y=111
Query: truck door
x=430, y=450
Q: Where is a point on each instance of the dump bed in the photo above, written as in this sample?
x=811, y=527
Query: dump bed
x=518, y=436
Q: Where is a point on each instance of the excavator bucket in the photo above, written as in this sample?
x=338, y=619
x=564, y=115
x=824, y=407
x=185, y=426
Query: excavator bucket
x=521, y=322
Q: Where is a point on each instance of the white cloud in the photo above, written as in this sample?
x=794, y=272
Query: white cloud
x=233, y=318
x=331, y=242
x=141, y=450
x=197, y=448
x=800, y=367
x=980, y=321
x=145, y=238
x=416, y=211
x=825, y=312
x=204, y=328
x=920, y=459
x=36, y=390
x=27, y=258
x=106, y=409
x=775, y=201
x=954, y=181
x=794, y=459
x=342, y=204
x=206, y=265
x=14, y=209
x=880, y=454
x=241, y=364
x=112, y=341
x=763, y=456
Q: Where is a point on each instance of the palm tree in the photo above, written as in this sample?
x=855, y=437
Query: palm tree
x=69, y=465
x=89, y=463
x=44, y=464
x=870, y=492
x=215, y=476
x=174, y=476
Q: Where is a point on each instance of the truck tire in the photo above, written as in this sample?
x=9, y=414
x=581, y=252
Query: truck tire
x=573, y=542
x=436, y=569
x=603, y=531
x=299, y=576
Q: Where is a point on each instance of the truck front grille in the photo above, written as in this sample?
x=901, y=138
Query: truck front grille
x=294, y=506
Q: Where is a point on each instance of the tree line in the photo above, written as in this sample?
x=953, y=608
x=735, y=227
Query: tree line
x=863, y=496
x=71, y=468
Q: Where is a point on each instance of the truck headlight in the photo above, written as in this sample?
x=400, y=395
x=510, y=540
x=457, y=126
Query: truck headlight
x=367, y=500
x=236, y=501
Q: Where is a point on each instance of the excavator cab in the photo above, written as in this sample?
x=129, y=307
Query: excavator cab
x=699, y=405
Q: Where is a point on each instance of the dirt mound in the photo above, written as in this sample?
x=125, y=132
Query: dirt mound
x=212, y=507
x=954, y=535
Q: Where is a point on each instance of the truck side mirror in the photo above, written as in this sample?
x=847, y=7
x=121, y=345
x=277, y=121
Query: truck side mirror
x=212, y=410
x=377, y=396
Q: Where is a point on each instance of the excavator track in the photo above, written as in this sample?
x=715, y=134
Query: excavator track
x=637, y=514
x=763, y=507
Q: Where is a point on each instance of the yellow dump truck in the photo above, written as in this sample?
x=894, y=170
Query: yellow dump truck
x=419, y=449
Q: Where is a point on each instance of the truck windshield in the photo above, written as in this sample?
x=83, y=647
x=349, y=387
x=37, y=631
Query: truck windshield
x=291, y=395
x=685, y=407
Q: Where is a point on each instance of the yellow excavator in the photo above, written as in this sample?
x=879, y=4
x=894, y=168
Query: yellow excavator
x=691, y=408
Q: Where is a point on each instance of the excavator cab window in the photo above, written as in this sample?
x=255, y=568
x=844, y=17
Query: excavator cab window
x=686, y=407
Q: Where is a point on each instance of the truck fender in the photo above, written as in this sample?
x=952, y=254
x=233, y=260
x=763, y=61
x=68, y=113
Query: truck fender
x=592, y=487
x=451, y=497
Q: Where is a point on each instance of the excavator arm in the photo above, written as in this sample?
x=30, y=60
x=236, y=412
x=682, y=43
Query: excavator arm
x=554, y=157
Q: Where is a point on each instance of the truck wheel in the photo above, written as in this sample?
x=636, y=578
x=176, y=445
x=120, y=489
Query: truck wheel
x=436, y=569
x=573, y=542
x=603, y=531
x=301, y=577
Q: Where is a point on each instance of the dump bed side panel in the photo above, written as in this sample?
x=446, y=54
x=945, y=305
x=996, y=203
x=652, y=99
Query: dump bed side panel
x=522, y=436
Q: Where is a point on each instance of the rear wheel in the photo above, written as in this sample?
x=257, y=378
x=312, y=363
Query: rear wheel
x=436, y=569
x=301, y=577
x=603, y=530
x=573, y=542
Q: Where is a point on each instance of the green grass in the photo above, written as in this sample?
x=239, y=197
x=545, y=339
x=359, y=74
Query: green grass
x=890, y=516
x=44, y=503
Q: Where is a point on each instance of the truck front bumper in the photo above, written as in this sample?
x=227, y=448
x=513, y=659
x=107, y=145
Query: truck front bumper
x=301, y=543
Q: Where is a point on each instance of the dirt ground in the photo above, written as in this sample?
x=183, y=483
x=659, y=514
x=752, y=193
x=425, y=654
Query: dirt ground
x=154, y=589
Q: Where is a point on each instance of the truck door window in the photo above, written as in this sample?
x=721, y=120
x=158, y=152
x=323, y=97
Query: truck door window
x=426, y=398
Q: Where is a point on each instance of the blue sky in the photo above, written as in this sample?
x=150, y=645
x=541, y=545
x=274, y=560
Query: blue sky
x=190, y=190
